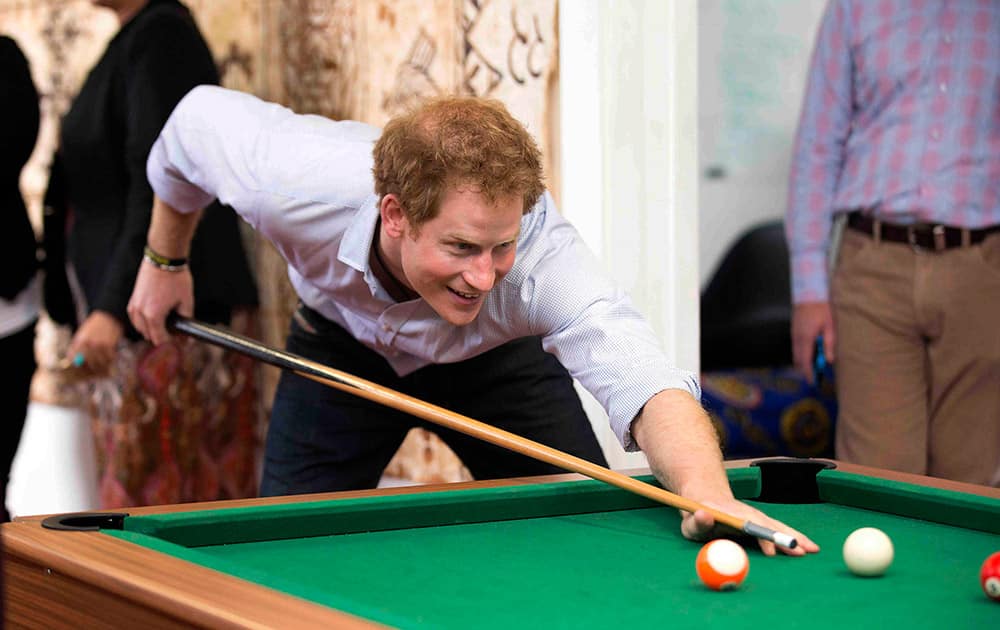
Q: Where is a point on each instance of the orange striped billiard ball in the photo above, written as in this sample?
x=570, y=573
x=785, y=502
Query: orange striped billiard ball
x=989, y=576
x=722, y=565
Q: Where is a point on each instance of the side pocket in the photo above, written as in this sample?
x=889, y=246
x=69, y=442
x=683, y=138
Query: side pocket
x=301, y=321
x=852, y=245
x=852, y=248
x=989, y=253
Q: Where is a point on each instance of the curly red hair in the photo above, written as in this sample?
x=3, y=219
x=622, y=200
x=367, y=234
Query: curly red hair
x=456, y=141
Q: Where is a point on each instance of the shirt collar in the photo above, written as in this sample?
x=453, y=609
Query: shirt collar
x=358, y=238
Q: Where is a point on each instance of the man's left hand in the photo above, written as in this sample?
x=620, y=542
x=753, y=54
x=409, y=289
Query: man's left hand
x=701, y=526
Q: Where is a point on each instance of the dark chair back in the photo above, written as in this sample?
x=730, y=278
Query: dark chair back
x=746, y=307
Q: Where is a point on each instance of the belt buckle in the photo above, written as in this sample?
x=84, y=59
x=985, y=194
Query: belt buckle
x=937, y=233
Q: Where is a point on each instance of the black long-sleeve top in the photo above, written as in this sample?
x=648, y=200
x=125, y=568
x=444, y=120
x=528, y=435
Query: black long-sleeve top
x=18, y=132
x=150, y=64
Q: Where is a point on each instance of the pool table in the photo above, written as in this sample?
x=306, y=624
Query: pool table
x=534, y=552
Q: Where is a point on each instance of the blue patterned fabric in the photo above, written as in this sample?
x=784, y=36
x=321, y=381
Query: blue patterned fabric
x=771, y=411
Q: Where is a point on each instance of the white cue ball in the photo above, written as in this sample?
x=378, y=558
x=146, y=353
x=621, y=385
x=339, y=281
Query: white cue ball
x=868, y=552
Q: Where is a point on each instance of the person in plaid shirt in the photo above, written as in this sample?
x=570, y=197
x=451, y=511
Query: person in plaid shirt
x=899, y=141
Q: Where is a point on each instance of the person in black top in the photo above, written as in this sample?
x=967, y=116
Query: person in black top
x=18, y=289
x=98, y=188
x=153, y=61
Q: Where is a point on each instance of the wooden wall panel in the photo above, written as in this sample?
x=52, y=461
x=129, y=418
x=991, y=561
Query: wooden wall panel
x=509, y=51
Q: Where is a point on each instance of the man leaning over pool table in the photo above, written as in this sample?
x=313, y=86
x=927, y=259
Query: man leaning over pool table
x=427, y=257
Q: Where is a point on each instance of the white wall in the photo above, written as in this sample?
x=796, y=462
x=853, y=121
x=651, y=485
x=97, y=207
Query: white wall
x=628, y=104
x=655, y=96
x=753, y=57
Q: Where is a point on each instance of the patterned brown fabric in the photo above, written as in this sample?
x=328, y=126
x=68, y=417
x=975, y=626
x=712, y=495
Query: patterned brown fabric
x=176, y=423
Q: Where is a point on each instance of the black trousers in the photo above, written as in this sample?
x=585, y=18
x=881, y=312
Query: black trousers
x=18, y=351
x=321, y=439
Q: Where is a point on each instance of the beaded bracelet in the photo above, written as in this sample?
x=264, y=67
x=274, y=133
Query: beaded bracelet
x=162, y=262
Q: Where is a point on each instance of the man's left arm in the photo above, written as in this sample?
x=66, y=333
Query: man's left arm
x=683, y=451
x=591, y=326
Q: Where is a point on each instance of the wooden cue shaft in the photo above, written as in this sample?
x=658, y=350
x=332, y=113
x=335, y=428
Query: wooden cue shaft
x=338, y=379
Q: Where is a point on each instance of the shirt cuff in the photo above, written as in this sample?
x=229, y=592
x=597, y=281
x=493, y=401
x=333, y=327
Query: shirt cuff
x=183, y=198
x=809, y=278
x=622, y=424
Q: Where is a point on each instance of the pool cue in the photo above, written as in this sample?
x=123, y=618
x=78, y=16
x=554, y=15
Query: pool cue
x=343, y=381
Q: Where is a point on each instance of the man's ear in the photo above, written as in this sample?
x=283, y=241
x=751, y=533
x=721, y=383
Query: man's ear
x=394, y=220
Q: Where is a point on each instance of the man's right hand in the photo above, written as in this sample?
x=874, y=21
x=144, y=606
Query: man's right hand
x=809, y=321
x=158, y=292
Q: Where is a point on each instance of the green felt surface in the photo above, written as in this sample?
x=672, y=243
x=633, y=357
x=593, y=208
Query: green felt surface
x=540, y=556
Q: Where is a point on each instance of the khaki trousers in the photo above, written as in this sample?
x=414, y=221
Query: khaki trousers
x=918, y=357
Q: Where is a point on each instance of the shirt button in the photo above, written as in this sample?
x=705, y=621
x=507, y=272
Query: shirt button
x=947, y=39
x=943, y=87
x=935, y=133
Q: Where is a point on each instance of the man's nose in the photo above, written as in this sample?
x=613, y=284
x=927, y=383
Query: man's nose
x=481, y=273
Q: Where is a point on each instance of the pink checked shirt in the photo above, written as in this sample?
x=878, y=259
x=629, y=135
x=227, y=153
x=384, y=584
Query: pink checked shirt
x=902, y=115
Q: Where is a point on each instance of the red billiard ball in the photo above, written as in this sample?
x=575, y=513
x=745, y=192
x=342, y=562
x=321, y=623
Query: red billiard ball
x=722, y=565
x=989, y=576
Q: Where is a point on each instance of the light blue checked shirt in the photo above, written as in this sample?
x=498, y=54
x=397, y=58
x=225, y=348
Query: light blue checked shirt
x=901, y=116
x=305, y=182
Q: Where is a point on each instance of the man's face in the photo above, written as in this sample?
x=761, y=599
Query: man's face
x=456, y=258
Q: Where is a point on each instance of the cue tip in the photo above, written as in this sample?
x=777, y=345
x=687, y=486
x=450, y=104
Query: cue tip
x=785, y=540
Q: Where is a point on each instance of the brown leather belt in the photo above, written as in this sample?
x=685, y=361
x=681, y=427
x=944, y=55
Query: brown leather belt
x=921, y=236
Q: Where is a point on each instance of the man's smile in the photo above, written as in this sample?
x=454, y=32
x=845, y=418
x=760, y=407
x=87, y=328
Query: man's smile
x=464, y=295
